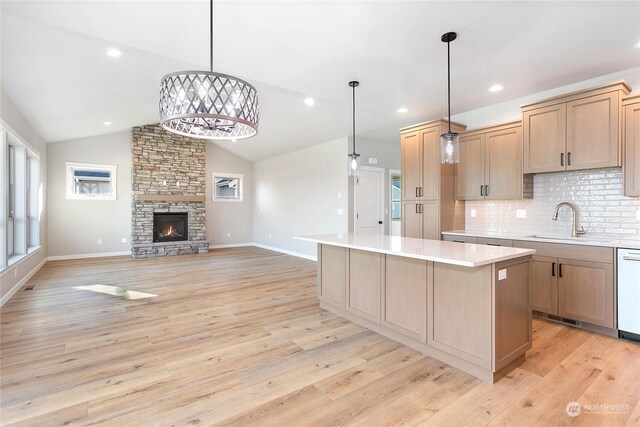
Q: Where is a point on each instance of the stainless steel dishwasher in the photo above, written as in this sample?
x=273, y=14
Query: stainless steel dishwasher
x=629, y=293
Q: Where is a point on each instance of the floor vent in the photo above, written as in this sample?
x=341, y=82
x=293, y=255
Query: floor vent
x=562, y=320
x=30, y=287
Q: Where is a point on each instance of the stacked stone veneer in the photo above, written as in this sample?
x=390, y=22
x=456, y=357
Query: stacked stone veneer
x=166, y=164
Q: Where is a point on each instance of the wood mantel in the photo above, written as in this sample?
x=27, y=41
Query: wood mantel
x=167, y=198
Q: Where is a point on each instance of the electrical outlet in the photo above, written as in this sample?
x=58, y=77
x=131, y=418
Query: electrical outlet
x=228, y=234
x=502, y=274
x=521, y=213
x=123, y=240
x=340, y=211
x=373, y=160
x=177, y=183
x=164, y=183
x=99, y=241
x=474, y=213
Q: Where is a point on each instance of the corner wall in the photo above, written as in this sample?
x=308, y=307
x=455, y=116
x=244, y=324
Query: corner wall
x=300, y=193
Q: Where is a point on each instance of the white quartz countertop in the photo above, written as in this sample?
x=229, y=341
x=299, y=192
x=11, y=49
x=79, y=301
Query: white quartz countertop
x=466, y=255
x=584, y=240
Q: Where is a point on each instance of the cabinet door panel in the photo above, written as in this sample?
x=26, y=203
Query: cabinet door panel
x=411, y=165
x=470, y=172
x=405, y=296
x=363, y=297
x=430, y=162
x=585, y=292
x=411, y=219
x=333, y=274
x=593, y=126
x=430, y=219
x=632, y=150
x=544, y=285
x=503, y=164
x=544, y=131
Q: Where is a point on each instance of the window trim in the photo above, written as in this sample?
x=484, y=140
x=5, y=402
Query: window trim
x=239, y=177
x=71, y=194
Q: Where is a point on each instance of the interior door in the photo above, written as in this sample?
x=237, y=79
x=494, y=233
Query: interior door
x=369, y=201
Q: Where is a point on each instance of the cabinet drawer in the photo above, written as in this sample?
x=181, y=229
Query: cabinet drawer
x=494, y=242
x=460, y=239
x=559, y=250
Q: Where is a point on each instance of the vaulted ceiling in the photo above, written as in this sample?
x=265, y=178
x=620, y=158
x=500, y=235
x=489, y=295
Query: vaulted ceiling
x=55, y=70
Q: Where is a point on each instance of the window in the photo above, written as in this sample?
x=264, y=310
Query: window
x=396, y=193
x=91, y=182
x=11, y=179
x=227, y=187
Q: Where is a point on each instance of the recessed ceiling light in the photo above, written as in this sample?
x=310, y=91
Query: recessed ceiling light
x=402, y=110
x=106, y=123
x=496, y=88
x=309, y=101
x=114, y=53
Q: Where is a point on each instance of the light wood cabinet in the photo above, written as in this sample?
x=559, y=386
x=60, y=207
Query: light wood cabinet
x=580, y=130
x=585, y=291
x=428, y=193
x=404, y=295
x=631, y=115
x=332, y=274
x=365, y=279
x=490, y=165
x=574, y=282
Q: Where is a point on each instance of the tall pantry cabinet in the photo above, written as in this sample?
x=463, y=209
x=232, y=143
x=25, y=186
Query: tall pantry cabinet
x=428, y=187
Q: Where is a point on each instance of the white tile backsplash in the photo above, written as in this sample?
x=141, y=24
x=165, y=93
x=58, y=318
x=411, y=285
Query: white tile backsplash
x=602, y=209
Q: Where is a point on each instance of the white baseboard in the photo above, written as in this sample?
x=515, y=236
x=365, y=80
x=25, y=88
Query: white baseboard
x=21, y=283
x=285, y=251
x=230, y=245
x=81, y=256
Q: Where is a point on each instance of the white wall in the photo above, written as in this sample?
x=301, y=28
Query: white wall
x=235, y=218
x=76, y=225
x=297, y=194
x=14, y=276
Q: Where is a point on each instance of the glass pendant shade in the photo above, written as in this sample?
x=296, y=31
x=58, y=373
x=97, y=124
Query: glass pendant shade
x=354, y=164
x=449, y=147
x=208, y=105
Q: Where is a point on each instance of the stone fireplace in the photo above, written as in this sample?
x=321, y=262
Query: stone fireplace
x=168, y=183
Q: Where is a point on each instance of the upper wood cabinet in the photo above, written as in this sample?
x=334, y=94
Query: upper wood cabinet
x=631, y=115
x=428, y=195
x=581, y=130
x=490, y=165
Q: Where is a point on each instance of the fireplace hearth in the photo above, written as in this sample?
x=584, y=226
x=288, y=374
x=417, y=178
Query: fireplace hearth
x=170, y=226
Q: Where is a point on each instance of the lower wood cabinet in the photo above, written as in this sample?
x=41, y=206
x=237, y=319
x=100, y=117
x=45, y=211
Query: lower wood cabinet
x=585, y=291
x=404, y=296
x=544, y=285
x=366, y=270
x=332, y=274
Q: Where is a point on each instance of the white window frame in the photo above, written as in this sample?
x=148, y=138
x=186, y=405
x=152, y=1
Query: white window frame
x=239, y=177
x=72, y=166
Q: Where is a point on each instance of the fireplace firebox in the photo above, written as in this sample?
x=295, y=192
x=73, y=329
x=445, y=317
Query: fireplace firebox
x=170, y=226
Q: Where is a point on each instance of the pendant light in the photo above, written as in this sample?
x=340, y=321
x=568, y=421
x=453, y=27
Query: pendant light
x=354, y=158
x=449, y=141
x=207, y=104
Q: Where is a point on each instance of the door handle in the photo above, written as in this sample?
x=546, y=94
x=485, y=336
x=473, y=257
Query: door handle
x=561, y=159
x=486, y=190
x=553, y=269
x=560, y=269
x=420, y=191
x=417, y=208
x=481, y=190
x=417, y=191
x=420, y=207
x=379, y=222
x=569, y=158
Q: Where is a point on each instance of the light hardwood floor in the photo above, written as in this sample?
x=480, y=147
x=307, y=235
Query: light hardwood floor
x=236, y=337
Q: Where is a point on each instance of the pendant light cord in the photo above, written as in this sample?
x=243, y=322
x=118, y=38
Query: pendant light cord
x=211, y=35
x=354, y=119
x=448, y=81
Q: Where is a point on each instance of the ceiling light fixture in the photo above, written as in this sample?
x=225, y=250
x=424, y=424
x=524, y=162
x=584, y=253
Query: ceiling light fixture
x=496, y=88
x=114, y=53
x=309, y=101
x=106, y=123
x=354, y=158
x=402, y=110
x=449, y=140
x=207, y=104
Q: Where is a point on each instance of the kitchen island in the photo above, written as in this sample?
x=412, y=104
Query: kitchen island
x=464, y=304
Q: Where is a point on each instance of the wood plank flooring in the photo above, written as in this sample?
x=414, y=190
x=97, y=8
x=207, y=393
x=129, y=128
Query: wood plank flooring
x=236, y=337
